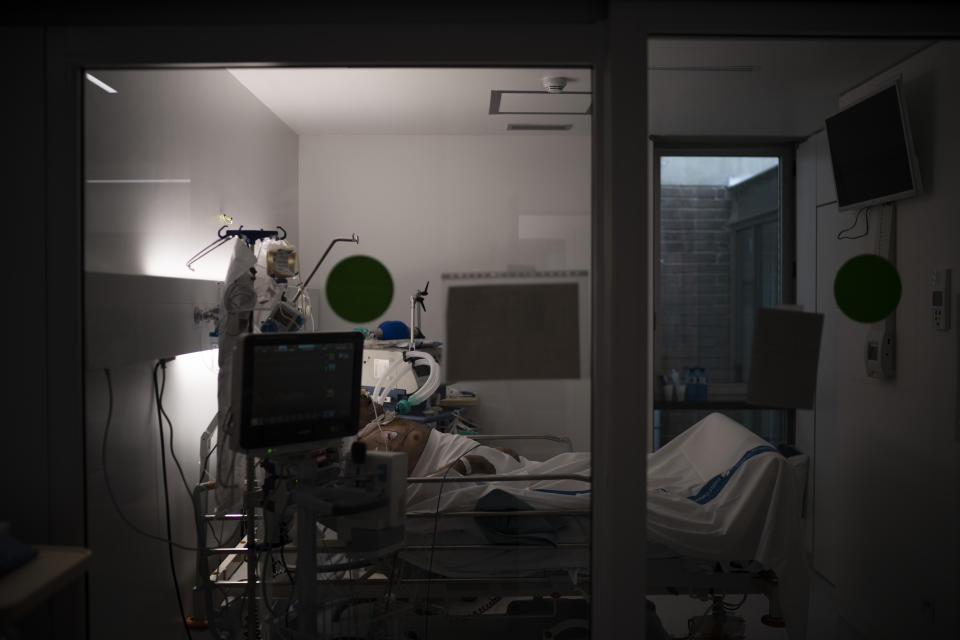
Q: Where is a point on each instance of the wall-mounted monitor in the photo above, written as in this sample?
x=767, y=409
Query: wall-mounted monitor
x=293, y=391
x=872, y=152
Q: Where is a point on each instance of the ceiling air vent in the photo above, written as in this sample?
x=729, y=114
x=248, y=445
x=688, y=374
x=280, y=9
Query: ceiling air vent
x=573, y=103
x=539, y=127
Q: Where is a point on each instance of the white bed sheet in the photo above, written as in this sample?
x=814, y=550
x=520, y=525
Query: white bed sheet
x=755, y=516
x=442, y=450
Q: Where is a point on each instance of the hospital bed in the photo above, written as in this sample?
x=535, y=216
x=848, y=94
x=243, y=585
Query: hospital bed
x=468, y=569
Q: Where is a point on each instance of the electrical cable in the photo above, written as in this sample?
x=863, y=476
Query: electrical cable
x=433, y=544
x=206, y=461
x=166, y=501
x=393, y=568
x=856, y=221
x=728, y=606
x=106, y=475
x=286, y=569
x=690, y=627
x=173, y=454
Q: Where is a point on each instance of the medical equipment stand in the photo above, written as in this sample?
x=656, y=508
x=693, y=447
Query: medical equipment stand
x=306, y=575
x=416, y=303
x=251, y=517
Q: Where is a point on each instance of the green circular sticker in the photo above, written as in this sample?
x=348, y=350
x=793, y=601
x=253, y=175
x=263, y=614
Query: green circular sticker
x=359, y=288
x=867, y=288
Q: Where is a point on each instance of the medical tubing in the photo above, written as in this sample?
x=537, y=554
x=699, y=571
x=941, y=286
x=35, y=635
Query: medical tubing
x=382, y=388
x=106, y=475
x=166, y=503
x=386, y=381
x=433, y=380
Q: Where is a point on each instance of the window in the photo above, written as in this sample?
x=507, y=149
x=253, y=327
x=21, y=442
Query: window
x=724, y=249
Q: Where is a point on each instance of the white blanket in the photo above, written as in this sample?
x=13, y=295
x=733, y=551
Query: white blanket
x=440, y=452
x=754, y=516
x=443, y=449
x=752, y=512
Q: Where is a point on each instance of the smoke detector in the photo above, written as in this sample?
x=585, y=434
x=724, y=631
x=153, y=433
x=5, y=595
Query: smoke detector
x=554, y=84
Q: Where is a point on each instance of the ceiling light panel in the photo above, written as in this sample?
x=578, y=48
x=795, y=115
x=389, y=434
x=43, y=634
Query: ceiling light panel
x=100, y=83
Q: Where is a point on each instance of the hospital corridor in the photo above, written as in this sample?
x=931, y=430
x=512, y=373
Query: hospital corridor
x=612, y=320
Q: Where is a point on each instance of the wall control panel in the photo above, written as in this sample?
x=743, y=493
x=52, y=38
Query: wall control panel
x=940, y=299
x=880, y=353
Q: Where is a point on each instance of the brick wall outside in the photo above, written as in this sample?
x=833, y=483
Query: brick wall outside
x=694, y=317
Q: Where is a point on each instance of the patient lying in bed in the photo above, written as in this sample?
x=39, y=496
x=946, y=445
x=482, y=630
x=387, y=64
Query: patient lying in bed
x=444, y=451
x=433, y=453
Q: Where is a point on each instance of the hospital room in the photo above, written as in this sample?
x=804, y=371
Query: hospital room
x=341, y=339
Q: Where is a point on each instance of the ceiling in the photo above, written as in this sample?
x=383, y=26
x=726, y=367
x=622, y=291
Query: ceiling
x=405, y=101
x=701, y=86
x=792, y=86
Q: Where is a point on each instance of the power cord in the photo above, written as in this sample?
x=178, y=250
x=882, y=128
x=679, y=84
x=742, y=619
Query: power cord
x=166, y=495
x=106, y=474
x=173, y=453
x=436, y=522
x=856, y=221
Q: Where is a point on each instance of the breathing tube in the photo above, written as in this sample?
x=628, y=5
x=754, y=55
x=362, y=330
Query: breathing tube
x=393, y=373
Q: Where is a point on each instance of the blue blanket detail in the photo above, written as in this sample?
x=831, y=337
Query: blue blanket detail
x=14, y=553
x=715, y=485
x=534, y=530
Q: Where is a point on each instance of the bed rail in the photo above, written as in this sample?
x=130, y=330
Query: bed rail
x=500, y=478
x=559, y=439
x=492, y=514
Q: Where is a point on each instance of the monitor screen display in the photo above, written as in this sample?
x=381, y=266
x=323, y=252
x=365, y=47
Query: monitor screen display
x=299, y=388
x=871, y=151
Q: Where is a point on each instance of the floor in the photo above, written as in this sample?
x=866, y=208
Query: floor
x=823, y=623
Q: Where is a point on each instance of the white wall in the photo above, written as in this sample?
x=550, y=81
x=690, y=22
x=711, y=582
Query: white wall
x=131, y=586
x=432, y=204
x=887, y=459
x=196, y=125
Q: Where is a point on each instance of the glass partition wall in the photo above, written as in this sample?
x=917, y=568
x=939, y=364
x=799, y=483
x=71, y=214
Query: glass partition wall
x=477, y=208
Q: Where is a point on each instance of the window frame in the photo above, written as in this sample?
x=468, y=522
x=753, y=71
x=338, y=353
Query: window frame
x=782, y=148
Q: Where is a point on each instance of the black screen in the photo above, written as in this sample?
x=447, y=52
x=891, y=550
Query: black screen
x=301, y=383
x=869, y=151
x=299, y=388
